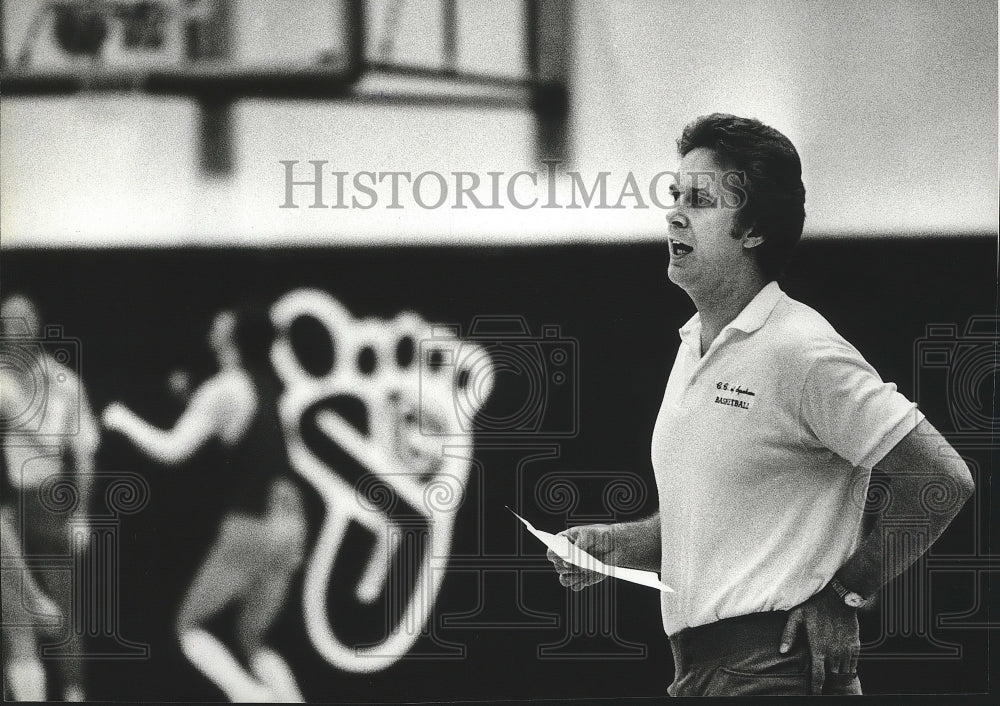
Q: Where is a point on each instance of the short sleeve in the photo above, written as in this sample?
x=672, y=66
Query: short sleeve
x=847, y=408
x=227, y=401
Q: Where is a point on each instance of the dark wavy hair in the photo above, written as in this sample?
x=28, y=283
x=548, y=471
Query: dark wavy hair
x=776, y=198
x=254, y=333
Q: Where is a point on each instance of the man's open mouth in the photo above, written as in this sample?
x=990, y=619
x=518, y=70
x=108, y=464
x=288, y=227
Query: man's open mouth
x=679, y=249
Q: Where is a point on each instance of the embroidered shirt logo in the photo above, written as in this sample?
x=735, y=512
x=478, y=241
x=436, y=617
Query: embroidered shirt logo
x=732, y=395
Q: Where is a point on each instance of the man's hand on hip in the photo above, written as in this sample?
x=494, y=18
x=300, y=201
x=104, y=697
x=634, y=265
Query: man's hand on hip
x=831, y=630
x=593, y=539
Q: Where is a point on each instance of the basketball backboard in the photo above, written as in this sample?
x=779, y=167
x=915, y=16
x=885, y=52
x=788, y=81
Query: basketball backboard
x=488, y=53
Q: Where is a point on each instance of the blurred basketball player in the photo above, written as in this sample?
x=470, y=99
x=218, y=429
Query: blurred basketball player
x=22, y=600
x=49, y=432
x=27, y=612
x=261, y=539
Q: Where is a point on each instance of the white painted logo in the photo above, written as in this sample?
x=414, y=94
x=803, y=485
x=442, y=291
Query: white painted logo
x=380, y=428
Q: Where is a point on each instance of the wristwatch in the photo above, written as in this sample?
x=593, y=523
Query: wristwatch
x=850, y=598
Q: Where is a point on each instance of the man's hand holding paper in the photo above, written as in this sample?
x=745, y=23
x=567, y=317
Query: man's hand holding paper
x=584, y=555
x=595, y=540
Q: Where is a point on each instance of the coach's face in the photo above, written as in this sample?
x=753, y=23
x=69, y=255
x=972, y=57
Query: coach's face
x=704, y=255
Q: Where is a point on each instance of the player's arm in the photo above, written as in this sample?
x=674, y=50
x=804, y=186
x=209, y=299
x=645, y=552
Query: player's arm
x=921, y=469
x=201, y=421
x=83, y=447
x=633, y=545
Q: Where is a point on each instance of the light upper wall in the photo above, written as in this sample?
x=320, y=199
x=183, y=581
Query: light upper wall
x=892, y=105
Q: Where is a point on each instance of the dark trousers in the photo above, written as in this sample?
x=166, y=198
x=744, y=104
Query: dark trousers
x=739, y=657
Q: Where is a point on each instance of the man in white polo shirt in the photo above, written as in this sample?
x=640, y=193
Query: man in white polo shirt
x=764, y=444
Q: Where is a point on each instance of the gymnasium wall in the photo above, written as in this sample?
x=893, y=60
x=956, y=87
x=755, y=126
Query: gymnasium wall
x=892, y=106
x=501, y=625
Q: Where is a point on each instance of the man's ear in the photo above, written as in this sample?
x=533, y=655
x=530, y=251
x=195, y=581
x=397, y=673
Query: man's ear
x=750, y=240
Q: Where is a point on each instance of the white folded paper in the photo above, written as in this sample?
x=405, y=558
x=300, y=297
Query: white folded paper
x=567, y=551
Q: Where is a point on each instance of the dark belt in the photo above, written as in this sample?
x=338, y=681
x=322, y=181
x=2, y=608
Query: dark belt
x=729, y=637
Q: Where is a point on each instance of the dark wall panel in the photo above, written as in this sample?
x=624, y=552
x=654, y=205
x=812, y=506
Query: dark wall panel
x=140, y=314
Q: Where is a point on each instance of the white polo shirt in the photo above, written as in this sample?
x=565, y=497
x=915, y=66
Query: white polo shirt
x=762, y=452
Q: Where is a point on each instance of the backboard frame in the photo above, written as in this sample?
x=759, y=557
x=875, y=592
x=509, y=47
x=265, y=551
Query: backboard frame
x=544, y=92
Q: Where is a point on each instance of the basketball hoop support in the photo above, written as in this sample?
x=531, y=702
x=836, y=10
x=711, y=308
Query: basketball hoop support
x=216, y=84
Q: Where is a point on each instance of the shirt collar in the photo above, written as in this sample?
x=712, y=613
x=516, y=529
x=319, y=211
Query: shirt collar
x=749, y=320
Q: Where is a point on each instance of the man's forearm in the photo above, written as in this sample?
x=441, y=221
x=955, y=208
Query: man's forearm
x=637, y=544
x=872, y=566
